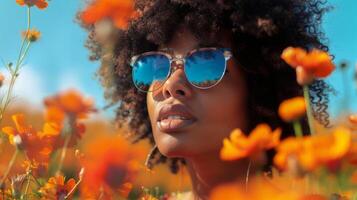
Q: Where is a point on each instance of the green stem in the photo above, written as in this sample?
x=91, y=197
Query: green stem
x=27, y=186
x=23, y=56
x=308, y=109
x=11, y=163
x=36, y=181
x=297, y=128
x=64, y=151
x=14, y=73
x=27, y=31
x=247, y=175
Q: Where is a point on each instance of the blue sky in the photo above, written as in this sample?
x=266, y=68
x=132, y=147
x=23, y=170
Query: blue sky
x=59, y=59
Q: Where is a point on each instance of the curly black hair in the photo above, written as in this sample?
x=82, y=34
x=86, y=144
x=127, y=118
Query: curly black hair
x=261, y=29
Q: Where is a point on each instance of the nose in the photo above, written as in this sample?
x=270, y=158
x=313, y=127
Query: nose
x=177, y=85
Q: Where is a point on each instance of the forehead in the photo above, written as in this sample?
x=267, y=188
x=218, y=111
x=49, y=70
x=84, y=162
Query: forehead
x=183, y=41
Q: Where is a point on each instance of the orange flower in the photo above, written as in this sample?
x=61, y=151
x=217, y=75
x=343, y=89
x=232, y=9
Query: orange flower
x=41, y=4
x=68, y=105
x=56, y=188
x=120, y=11
x=292, y=109
x=31, y=35
x=258, y=188
x=312, y=64
x=315, y=151
x=35, y=144
x=110, y=163
x=240, y=146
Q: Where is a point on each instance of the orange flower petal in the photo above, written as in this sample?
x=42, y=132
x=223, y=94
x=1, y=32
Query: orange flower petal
x=238, y=138
x=19, y=120
x=118, y=11
x=293, y=56
x=292, y=109
x=312, y=152
x=239, y=146
x=50, y=129
x=342, y=142
x=41, y=4
x=319, y=63
x=275, y=139
x=125, y=189
x=31, y=35
x=70, y=184
x=54, y=114
x=20, y=2
x=230, y=152
x=9, y=130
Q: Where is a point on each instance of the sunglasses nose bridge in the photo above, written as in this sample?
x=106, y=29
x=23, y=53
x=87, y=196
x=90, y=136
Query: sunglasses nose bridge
x=177, y=63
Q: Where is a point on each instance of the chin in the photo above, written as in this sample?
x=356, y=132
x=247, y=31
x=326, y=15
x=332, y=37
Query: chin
x=172, y=147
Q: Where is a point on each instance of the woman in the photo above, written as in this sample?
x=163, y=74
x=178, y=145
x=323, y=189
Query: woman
x=187, y=72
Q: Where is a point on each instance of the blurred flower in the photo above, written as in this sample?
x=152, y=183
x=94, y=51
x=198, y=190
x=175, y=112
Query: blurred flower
x=56, y=188
x=41, y=4
x=120, y=11
x=67, y=107
x=239, y=146
x=259, y=188
x=315, y=151
x=110, y=164
x=70, y=103
x=292, y=109
x=309, y=65
x=31, y=35
x=228, y=192
x=35, y=144
x=37, y=169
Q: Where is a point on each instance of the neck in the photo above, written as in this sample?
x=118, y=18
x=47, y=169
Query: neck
x=208, y=171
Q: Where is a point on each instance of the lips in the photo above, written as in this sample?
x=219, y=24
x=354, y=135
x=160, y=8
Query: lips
x=173, y=118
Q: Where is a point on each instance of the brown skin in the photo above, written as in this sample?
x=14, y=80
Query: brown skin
x=218, y=110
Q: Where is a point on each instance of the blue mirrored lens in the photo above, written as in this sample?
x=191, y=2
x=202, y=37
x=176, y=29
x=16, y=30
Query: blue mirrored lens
x=150, y=71
x=205, y=68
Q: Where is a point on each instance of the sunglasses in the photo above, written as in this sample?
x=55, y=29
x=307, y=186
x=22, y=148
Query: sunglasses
x=203, y=67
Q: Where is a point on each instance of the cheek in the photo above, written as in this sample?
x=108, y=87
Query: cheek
x=151, y=105
x=222, y=109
